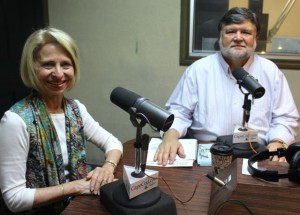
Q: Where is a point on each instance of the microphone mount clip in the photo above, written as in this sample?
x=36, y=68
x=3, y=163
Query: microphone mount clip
x=246, y=106
x=140, y=145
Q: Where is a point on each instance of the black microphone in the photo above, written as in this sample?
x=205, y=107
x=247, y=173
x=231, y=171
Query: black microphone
x=248, y=82
x=145, y=110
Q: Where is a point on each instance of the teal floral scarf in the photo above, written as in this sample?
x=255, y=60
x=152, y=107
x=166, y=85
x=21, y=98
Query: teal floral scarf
x=45, y=163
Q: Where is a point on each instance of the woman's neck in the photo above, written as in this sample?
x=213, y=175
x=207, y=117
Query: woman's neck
x=55, y=104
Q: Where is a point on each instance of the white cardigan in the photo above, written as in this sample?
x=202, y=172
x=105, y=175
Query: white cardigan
x=14, y=148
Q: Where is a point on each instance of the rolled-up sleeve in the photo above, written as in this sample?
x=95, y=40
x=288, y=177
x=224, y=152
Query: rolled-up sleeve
x=285, y=116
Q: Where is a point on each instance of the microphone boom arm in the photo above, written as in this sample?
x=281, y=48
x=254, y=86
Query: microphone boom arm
x=138, y=143
x=247, y=109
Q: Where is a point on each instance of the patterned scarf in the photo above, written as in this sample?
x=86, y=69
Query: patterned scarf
x=45, y=163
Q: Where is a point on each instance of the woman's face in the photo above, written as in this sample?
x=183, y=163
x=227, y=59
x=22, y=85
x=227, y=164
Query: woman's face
x=54, y=69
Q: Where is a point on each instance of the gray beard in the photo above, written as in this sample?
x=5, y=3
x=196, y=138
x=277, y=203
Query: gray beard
x=226, y=52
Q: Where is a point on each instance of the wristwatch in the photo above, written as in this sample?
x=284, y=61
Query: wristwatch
x=283, y=144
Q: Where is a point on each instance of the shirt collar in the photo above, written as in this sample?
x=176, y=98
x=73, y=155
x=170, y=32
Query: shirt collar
x=225, y=65
x=249, y=64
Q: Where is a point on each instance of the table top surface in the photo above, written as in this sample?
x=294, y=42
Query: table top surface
x=184, y=184
x=181, y=180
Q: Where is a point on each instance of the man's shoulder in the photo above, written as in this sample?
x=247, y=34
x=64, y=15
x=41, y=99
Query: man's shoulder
x=206, y=61
x=203, y=66
x=264, y=61
x=265, y=67
x=208, y=58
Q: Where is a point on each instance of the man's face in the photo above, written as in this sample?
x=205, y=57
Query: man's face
x=238, y=41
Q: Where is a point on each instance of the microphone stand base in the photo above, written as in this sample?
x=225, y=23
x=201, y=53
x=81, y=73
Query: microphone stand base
x=114, y=196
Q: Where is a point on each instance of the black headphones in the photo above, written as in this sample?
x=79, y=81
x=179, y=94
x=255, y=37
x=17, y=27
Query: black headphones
x=292, y=155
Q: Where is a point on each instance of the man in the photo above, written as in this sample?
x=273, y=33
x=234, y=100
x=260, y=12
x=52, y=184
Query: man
x=207, y=101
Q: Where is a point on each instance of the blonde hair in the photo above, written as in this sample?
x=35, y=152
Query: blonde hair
x=31, y=50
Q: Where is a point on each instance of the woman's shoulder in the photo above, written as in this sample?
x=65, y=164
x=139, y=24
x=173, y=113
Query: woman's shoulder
x=81, y=106
x=11, y=120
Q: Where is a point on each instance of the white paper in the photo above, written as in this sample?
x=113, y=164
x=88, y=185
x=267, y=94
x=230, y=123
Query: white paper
x=245, y=166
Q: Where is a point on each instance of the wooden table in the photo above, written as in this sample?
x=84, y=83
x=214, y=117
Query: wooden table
x=182, y=181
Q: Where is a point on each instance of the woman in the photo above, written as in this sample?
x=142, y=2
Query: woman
x=43, y=136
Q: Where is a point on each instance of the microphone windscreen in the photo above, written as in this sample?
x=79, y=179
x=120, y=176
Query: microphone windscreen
x=123, y=98
x=248, y=82
x=144, y=109
x=239, y=73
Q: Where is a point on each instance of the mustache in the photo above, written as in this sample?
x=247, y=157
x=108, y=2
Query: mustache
x=237, y=45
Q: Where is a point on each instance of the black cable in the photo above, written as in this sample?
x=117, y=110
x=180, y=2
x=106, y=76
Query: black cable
x=174, y=194
x=183, y=202
x=191, y=197
x=235, y=202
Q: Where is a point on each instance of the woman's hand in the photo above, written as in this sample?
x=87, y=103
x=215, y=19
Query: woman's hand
x=83, y=185
x=99, y=177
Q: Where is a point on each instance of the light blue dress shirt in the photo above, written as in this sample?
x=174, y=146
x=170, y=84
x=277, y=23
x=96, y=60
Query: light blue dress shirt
x=208, y=100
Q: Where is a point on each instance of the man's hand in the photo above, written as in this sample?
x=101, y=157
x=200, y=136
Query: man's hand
x=273, y=146
x=168, y=149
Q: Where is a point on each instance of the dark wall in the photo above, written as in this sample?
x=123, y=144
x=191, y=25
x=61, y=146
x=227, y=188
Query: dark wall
x=18, y=19
x=208, y=15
